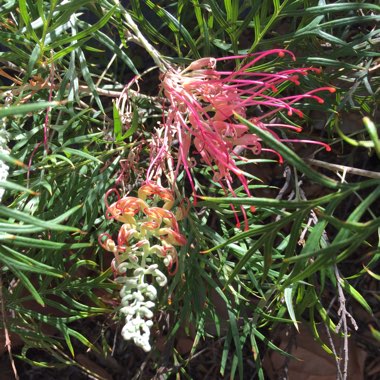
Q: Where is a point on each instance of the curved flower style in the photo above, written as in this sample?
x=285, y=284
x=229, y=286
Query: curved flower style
x=148, y=231
x=203, y=102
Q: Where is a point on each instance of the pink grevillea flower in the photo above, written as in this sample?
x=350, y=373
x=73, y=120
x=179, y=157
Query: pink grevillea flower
x=203, y=102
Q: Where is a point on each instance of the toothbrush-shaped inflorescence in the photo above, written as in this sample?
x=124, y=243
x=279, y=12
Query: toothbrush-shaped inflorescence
x=202, y=104
x=149, y=231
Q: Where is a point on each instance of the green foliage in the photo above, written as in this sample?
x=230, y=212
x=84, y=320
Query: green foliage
x=61, y=63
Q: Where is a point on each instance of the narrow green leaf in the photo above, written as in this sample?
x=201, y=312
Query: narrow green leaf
x=87, y=32
x=372, y=131
x=88, y=78
x=276, y=203
x=358, y=212
x=80, y=153
x=64, y=330
x=314, y=329
x=18, y=261
x=260, y=230
x=24, y=12
x=239, y=266
x=330, y=8
x=355, y=294
x=67, y=50
x=11, y=160
x=236, y=338
x=268, y=249
x=325, y=259
x=82, y=139
x=375, y=333
x=26, y=108
x=28, y=285
x=40, y=243
x=82, y=339
x=34, y=57
x=324, y=315
x=256, y=357
x=106, y=41
x=272, y=346
x=117, y=125
x=134, y=125
x=148, y=27
x=27, y=218
x=16, y=187
x=372, y=274
x=175, y=26
x=288, y=296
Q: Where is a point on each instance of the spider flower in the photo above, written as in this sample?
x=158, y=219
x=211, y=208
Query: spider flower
x=144, y=222
x=203, y=102
x=149, y=232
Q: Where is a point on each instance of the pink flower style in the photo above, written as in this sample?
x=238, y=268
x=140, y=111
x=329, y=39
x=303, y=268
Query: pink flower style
x=203, y=101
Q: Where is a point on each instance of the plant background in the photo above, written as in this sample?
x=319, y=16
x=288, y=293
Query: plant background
x=62, y=63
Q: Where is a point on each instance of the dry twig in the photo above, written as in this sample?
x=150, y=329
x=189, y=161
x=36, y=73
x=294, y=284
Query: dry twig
x=8, y=343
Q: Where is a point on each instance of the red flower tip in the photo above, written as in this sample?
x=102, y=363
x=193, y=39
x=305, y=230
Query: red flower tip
x=321, y=101
x=180, y=239
x=299, y=113
x=327, y=147
x=295, y=80
x=281, y=54
x=173, y=267
x=252, y=209
x=107, y=194
x=332, y=89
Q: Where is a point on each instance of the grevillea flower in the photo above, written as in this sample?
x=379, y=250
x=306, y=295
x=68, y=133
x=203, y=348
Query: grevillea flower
x=203, y=102
x=144, y=223
x=149, y=231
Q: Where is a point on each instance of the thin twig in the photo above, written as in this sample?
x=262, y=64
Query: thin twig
x=343, y=168
x=287, y=175
x=84, y=90
x=336, y=356
x=313, y=219
x=342, y=324
x=8, y=343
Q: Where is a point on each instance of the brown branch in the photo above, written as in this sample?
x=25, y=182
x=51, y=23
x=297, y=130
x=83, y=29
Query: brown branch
x=343, y=168
x=342, y=324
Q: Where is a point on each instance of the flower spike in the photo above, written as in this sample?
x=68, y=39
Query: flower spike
x=148, y=232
